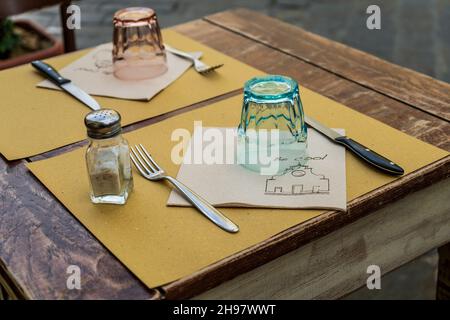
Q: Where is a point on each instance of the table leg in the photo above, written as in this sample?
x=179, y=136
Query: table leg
x=3, y=293
x=443, y=281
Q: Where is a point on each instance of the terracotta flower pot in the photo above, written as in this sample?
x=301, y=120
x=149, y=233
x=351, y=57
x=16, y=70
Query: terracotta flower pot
x=56, y=47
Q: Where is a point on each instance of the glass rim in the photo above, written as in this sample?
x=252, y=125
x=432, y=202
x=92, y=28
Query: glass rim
x=275, y=78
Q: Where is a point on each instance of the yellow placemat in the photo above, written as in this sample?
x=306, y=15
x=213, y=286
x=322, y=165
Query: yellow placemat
x=161, y=244
x=34, y=120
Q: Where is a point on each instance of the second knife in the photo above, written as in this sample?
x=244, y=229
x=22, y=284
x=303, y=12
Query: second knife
x=361, y=151
x=65, y=84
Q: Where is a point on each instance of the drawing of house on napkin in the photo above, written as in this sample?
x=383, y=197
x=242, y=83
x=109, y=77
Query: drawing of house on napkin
x=297, y=180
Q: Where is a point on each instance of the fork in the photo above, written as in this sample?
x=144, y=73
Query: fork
x=199, y=66
x=150, y=170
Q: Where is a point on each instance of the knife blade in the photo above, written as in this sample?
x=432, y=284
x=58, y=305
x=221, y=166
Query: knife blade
x=358, y=149
x=65, y=84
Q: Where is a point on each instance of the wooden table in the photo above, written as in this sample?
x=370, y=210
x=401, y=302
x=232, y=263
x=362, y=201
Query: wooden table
x=325, y=257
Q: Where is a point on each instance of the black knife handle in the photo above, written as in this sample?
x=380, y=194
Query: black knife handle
x=49, y=72
x=370, y=156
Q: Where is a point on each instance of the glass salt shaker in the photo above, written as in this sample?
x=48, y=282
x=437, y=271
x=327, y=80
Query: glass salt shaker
x=107, y=158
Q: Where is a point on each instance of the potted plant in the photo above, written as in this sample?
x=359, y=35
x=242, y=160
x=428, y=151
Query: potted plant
x=22, y=41
x=8, y=38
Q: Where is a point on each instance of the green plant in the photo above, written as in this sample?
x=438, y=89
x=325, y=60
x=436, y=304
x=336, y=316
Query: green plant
x=8, y=38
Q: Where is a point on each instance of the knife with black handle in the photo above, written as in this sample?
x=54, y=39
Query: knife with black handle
x=50, y=73
x=361, y=151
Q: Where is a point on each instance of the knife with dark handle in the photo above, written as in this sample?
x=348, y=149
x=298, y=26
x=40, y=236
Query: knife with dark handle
x=361, y=151
x=65, y=84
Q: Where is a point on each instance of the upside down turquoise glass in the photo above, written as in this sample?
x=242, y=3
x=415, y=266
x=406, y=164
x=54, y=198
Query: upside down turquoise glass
x=271, y=103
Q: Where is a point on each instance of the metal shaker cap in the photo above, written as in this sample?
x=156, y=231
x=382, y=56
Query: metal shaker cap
x=103, y=124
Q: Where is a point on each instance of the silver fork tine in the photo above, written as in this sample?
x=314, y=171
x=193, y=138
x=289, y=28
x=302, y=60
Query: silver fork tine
x=139, y=158
x=150, y=158
x=143, y=157
x=206, y=71
x=199, y=66
x=136, y=164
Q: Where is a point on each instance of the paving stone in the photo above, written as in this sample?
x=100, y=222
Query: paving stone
x=416, y=17
x=442, y=41
x=377, y=42
x=415, y=280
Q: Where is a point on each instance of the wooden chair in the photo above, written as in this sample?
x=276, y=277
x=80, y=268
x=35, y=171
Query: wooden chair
x=13, y=7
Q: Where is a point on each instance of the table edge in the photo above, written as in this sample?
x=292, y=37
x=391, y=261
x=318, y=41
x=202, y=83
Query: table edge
x=296, y=236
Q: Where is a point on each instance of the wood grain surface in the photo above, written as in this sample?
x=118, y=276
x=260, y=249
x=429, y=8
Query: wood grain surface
x=399, y=115
x=40, y=238
x=415, y=89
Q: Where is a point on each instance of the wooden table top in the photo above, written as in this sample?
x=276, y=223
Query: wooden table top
x=40, y=238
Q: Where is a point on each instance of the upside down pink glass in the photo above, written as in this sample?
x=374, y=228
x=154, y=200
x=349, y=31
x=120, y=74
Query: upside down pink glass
x=138, y=50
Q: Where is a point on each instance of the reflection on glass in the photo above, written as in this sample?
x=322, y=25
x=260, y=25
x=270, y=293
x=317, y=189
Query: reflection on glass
x=138, y=50
x=272, y=121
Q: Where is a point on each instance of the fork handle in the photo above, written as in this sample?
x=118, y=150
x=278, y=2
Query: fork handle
x=206, y=208
x=180, y=53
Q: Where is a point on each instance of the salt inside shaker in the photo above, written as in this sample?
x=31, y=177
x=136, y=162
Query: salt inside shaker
x=107, y=158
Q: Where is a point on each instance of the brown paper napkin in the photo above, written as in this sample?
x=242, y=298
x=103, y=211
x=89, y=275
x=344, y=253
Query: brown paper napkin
x=314, y=179
x=93, y=73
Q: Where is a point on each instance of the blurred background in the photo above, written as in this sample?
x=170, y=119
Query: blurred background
x=414, y=34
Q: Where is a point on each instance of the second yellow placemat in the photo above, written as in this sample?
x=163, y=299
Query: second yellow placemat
x=35, y=120
x=161, y=244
